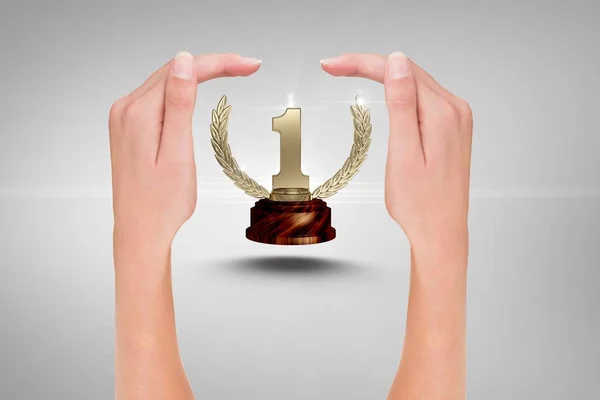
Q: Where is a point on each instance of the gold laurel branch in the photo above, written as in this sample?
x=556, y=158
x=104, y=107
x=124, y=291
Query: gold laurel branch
x=358, y=154
x=219, y=141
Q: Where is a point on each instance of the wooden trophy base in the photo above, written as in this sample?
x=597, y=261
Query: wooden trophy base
x=290, y=223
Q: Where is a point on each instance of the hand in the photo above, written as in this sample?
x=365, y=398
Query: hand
x=154, y=173
x=154, y=193
x=427, y=193
x=429, y=151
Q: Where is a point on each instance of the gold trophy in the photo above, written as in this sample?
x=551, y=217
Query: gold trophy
x=290, y=214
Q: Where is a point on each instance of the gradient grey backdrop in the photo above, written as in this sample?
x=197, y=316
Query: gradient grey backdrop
x=316, y=322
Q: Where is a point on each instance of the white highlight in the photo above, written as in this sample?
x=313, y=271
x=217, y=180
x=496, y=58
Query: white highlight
x=290, y=100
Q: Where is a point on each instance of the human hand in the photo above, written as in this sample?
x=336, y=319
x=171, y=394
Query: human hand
x=154, y=193
x=429, y=150
x=153, y=167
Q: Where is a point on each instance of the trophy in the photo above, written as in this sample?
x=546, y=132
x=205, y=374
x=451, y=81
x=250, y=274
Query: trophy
x=290, y=214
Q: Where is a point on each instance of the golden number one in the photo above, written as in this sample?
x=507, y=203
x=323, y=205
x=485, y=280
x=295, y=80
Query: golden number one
x=290, y=174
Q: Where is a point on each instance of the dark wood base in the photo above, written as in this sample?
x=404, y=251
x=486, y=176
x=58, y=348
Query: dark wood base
x=290, y=223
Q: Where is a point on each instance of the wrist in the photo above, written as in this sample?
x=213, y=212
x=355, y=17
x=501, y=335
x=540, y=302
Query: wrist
x=135, y=247
x=449, y=248
x=439, y=267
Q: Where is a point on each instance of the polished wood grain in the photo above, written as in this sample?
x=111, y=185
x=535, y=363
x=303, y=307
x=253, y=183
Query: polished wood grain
x=290, y=223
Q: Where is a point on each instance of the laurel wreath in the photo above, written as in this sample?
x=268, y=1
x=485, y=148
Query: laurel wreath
x=218, y=131
x=358, y=153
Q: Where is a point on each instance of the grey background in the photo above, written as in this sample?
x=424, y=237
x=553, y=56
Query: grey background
x=316, y=322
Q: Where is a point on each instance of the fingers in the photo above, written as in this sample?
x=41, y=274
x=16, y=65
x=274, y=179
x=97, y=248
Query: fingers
x=208, y=66
x=223, y=65
x=143, y=112
x=436, y=106
x=179, y=102
x=372, y=66
x=369, y=66
x=401, y=99
x=180, y=89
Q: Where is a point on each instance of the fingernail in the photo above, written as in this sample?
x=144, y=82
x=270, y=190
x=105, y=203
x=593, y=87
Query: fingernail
x=183, y=66
x=397, y=66
x=253, y=61
x=327, y=61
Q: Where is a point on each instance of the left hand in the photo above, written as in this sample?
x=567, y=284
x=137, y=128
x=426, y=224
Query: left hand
x=153, y=167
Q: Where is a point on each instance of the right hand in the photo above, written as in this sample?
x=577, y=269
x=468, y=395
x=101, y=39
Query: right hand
x=429, y=151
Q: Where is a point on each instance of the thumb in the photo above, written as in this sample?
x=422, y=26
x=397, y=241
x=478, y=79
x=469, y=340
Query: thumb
x=181, y=88
x=401, y=100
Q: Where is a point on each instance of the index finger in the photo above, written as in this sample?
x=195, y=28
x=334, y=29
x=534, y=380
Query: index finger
x=208, y=66
x=373, y=67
